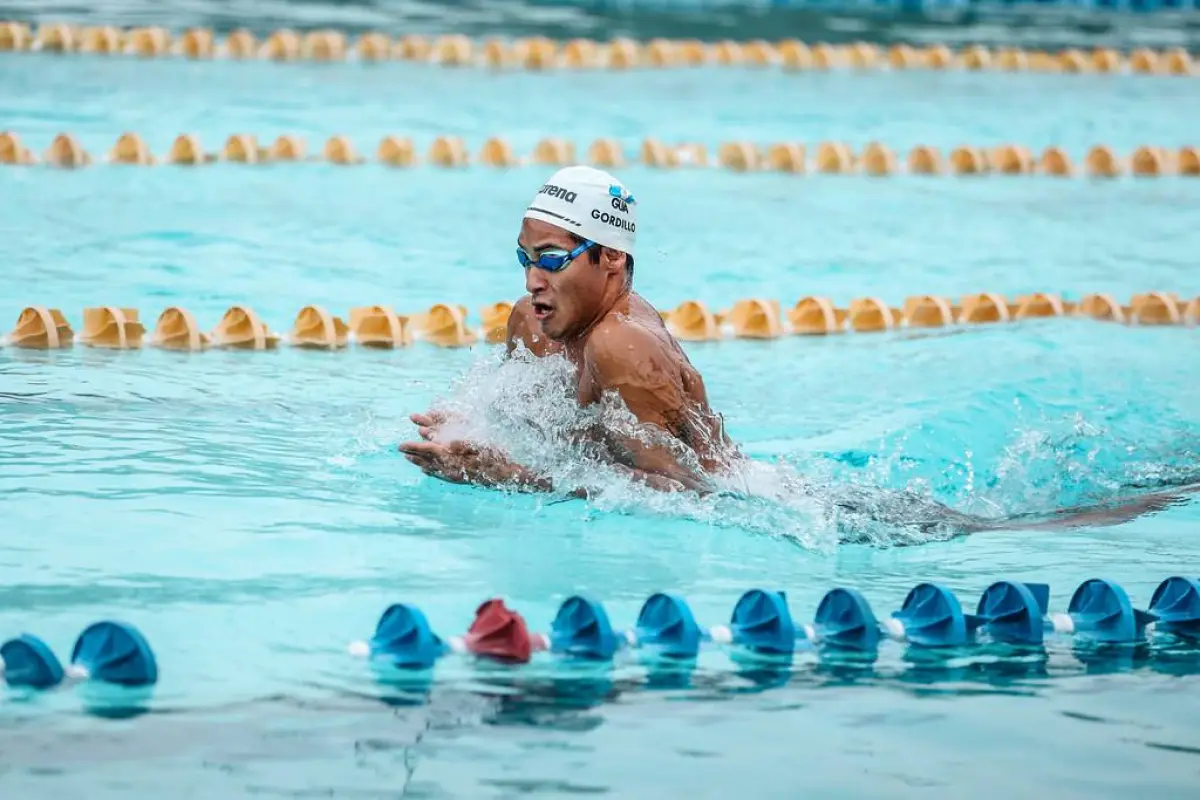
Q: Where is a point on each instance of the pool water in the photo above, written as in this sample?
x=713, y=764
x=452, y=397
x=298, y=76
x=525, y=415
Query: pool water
x=251, y=515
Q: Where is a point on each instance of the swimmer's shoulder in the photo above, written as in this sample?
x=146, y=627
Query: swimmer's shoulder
x=519, y=319
x=522, y=311
x=626, y=338
x=641, y=309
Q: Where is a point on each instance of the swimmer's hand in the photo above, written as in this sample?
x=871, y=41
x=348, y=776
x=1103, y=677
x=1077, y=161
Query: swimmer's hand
x=463, y=462
x=429, y=423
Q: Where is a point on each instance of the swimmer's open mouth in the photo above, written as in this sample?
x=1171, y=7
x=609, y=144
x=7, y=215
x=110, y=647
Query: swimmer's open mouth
x=542, y=310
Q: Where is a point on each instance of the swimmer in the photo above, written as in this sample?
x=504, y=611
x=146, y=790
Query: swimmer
x=576, y=246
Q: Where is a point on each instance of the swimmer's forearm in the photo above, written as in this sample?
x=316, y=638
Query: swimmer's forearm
x=672, y=479
x=662, y=483
x=523, y=479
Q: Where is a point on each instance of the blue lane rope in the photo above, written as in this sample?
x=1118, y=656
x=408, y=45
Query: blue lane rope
x=1008, y=612
x=106, y=652
x=931, y=617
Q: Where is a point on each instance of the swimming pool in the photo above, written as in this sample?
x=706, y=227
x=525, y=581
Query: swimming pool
x=250, y=514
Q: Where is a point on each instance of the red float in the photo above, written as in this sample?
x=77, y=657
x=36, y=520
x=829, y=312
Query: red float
x=499, y=632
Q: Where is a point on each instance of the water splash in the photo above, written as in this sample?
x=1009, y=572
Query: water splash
x=526, y=407
x=895, y=494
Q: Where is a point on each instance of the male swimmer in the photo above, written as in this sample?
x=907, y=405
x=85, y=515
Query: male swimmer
x=576, y=246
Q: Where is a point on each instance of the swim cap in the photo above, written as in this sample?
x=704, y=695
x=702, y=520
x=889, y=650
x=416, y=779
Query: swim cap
x=590, y=203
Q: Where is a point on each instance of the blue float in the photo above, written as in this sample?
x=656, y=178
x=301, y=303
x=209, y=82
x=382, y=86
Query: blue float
x=932, y=617
x=1176, y=604
x=28, y=661
x=844, y=620
x=1014, y=613
x=581, y=628
x=116, y=653
x=1101, y=611
x=403, y=638
x=762, y=623
x=107, y=652
x=666, y=624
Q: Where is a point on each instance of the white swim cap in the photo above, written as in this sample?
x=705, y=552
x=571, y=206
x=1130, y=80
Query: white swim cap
x=589, y=203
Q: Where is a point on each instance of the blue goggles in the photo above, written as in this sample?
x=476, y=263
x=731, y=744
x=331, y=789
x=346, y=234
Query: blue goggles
x=553, y=261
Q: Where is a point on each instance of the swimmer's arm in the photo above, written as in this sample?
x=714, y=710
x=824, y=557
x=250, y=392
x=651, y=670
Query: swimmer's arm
x=522, y=479
x=631, y=361
x=462, y=462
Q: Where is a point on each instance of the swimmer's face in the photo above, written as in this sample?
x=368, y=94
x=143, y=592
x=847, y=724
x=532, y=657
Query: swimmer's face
x=569, y=300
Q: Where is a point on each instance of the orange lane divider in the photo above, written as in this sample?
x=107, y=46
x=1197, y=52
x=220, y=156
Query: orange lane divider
x=451, y=325
x=875, y=160
x=539, y=53
x=692, y=320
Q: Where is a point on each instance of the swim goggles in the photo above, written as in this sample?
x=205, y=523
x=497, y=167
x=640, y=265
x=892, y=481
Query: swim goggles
x=554, y=261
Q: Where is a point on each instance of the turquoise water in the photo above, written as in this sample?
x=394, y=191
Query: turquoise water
x=250, y=513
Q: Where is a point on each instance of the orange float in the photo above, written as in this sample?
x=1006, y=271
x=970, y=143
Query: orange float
x=691, y=321
x=786, y=157
x=815, y=316
x=738, y=156
x=984, y=308
x=1156, y=308
x=65, y=151
x=755, y=318
x=1039, y=305
x=316, y=328
x=928, y=311
x=1102, y=307
x=870, y=314
x=1101, y=162
x=379, y=327
x=240, y=328
x=131, y=149
x=176, y=329
x=111, y=327
x=41, y=328
x=340, y=150
x=287, y=148
x=923, y=160
x=396, y=152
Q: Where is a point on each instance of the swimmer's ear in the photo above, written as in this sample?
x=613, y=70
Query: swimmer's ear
x=612, y=260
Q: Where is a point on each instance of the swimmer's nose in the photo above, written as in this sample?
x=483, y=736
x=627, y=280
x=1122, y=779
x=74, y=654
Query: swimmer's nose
x=535, y=281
